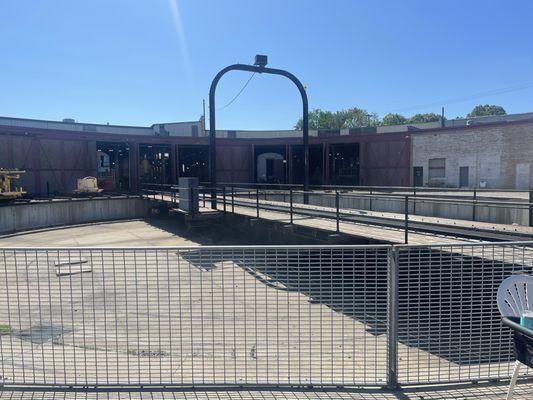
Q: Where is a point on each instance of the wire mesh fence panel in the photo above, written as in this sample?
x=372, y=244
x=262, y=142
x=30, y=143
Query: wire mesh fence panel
x=182, y=316
x=449, y=326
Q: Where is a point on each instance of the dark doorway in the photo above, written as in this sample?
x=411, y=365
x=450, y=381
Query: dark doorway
x=344, y=164
x=316, y=164
x=193, y=161
x=113, y=166
x=270, y=164
x=154, y=164
x=463, y=177
x=418, y=176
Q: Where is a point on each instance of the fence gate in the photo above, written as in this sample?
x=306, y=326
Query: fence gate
x=183, y=316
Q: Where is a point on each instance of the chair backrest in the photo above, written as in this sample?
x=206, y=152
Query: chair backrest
x=515, y=295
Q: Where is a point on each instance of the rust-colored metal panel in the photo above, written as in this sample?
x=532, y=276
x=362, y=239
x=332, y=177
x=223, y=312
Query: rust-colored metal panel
x=234, y=163
x=386, y=163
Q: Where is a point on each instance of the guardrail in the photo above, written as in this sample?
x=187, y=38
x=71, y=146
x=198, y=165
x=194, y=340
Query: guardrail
x=338, y=205
x=255, y=315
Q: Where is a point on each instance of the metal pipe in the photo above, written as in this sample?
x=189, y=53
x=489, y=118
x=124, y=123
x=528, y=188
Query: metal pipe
x=257, y=201
x=232, y=199
x=406, y=220
x=212, y=120
x=531, y=208
x=290, y=203
x=392, y=317
x=474, y=205
x=337, y=213
x=224, y=198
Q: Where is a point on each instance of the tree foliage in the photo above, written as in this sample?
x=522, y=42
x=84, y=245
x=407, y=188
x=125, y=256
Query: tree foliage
x=483, y=110
x=393, y=119
x=349, y=118
x=427, y=117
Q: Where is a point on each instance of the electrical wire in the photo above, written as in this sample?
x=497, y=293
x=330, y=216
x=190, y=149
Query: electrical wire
x=237, y=95
x=474, y=96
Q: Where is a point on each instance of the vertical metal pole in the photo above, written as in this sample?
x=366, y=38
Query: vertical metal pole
x=290, y=202
x=531, y=208
x=47, y=189
x=406, y=220
x=392, y=318
x=203, y=197
x=224, y=197
x=414, y=199
x=474, y=205
x=257, y=200
x=370, y=205
x=337, y=203
x=232, y=199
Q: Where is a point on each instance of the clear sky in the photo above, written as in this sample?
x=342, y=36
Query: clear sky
x=140, y=62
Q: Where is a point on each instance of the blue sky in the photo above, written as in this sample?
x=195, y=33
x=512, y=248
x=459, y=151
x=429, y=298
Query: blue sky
x=146, y=61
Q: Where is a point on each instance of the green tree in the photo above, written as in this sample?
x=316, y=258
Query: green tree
x=349, y=118
x=427, y=117
x=393, y=119
x=483, y=110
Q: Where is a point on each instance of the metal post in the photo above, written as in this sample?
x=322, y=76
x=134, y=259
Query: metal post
x=232, y=199
x=474, y=205
x=392, y=319
x=203, y=198
x=414, y=199
x=370, y=205
x=257, y=200
x=337, y=202
x=406, y=220
x=290, y=202
x=47, y=189
x=224, y=197
x=531, y=208
x=260, y=69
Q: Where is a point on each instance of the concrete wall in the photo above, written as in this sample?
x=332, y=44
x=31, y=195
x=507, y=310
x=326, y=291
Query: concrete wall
x=500, y=155
x=21, y=217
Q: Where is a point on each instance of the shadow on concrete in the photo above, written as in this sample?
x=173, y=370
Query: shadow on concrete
x=447, y=300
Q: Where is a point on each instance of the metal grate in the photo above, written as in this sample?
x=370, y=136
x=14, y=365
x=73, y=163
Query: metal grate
x=449, y=326
x=261, y=315
x=194, y=316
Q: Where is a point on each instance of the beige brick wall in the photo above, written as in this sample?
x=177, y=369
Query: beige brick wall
x=501, y=155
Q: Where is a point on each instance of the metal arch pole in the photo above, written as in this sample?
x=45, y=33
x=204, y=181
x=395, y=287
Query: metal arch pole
x=212, y=123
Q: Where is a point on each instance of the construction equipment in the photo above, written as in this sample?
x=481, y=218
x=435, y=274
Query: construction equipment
x=89, y=184
x=8, y=190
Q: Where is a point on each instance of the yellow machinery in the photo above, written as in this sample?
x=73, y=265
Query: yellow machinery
x=8, y=190
x=88, y=185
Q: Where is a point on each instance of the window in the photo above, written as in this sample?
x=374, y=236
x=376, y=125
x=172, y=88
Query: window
x=437, y=168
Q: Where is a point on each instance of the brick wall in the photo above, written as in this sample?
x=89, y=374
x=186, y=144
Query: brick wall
x=501, y=155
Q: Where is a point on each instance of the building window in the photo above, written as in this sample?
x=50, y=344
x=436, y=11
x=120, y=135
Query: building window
x=437, y=168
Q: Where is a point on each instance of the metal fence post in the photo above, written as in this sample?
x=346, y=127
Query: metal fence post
x=392, y=318
x=257, y=201
x=224, y=197
x=203, y=197
x=290, y=202
x=406, y=220
x=337, y=204
x=414, y=199
x=232, y=199
x=474, y=205
x=370, y=205
x=531, y=208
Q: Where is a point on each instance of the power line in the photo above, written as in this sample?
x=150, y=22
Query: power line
x=474, y=96
x=238, y=94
